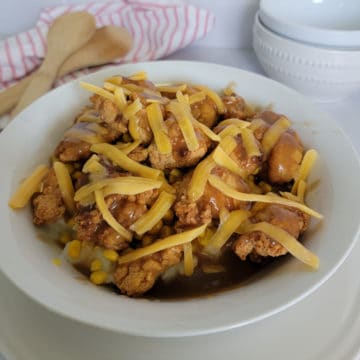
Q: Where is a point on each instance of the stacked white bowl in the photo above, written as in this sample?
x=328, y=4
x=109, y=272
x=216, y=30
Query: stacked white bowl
x=310, y=45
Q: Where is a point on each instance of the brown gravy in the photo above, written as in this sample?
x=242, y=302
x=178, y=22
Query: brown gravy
x=236, y=273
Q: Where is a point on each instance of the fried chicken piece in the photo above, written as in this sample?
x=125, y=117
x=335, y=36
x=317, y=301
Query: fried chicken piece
x=139, y=154
x=208, y=206
x=285, y=158
x=257, y=245
x=286, y=155
x=90, y=226
x=72, y=148
x=48, y=205
x=249, y=164
x=236, y=107
x=181, y=156
x=137, y=277
x=205, y=110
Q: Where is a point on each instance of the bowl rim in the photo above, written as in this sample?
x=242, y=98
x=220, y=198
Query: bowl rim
x=303, y=48
x=57, y=305
x=331, y=38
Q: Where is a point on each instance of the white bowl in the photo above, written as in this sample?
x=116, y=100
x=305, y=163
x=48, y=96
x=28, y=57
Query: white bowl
x=324, y=74
x=321, y=22
x=27, y=261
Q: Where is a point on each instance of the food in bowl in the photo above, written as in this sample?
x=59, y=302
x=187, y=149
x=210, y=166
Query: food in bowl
x=156, y=183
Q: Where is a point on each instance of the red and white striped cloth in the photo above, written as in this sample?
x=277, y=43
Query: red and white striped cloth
x=159, y=27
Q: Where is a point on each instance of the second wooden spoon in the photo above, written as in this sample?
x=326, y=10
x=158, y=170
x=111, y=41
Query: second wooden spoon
x=67, y=34
x=107, y=44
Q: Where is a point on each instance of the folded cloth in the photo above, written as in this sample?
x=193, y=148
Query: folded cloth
x=158, y=27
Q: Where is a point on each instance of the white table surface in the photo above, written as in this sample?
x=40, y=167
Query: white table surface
x=326, y=325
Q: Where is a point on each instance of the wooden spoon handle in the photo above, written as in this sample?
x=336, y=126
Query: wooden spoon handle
x=10, y=97
x=107, y=44
x=40, y=83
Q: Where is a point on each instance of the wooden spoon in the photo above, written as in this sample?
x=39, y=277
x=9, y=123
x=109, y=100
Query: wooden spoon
x=107, y=44
x=67, y=34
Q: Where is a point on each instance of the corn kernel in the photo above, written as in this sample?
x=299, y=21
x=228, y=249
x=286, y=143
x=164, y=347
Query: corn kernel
x=65, y=237
x=71, y=223
x=175, y=174
x=169, y=216
x=98, y=277
x=110, y=254
x=74, y=249
x=95, y=265
x=56, y=261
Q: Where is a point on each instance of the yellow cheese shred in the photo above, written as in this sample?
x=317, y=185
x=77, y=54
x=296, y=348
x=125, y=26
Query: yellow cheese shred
x=125, y=185
x=207, y=131
x=301, y=190
x=116, y=80
x=228, y=144
x=132, y=108
x=256, y=124
x=65, y=185
x=141, y=75
x=250, y=143
x=188, y=259
x=120, y=159
x=225, y=230
x=97, y=90
x=287, y=241
x=108, y=217
x=306, y=165
x=120, y=99
x=230, y=130
x=234, y=121
x=156, y=122
x=133, y=186
x=133, y=127
x=157, y=211
x=92, y=166
x=28, y=188
x=214, y=97
x=181, y=98
x=170, y=88
x=268, y=198
x=183, y=116
x=127, y=148
x=273, y=134
x=221, y=158
x=162, y=244
x=197, y=97
x=199, y=178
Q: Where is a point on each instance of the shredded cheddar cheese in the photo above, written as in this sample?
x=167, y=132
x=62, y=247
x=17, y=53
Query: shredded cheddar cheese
x=65, y=185
x=199, y=178
x=158, y=210
x=305, y=168
x=274, y=133
x=97, y=90
x=225, y=230
x=214, y=97
x=158, y=128
x=120, y=159
x=268, y=198
x=183, y=117
x=287, y=241
x=162, y=244
x=28, y=188
x=108, y=217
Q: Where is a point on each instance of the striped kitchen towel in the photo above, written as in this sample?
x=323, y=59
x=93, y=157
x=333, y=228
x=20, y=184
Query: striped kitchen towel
x=159, y=27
